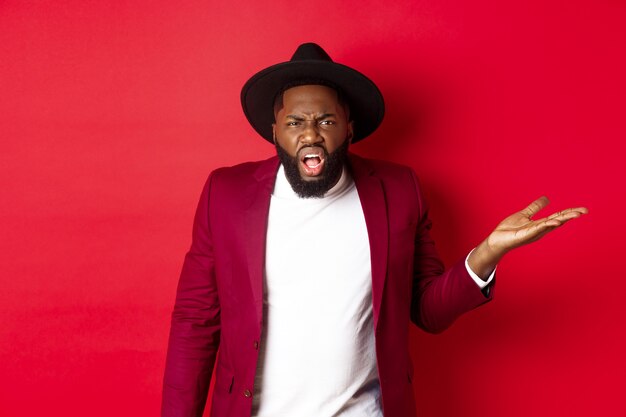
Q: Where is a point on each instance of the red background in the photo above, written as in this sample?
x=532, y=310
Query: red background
x=113, y=113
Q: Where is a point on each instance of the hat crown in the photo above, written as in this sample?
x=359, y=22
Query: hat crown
x=310, y=51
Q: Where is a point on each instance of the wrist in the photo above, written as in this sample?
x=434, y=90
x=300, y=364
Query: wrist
x=493, y=248
x=484, y=258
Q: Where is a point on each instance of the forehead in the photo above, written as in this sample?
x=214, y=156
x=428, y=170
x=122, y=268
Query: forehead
x=320, y=97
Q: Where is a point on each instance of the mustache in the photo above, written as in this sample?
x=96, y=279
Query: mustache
x=312, y=147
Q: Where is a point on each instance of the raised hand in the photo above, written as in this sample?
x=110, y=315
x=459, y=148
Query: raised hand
x=516, y=230
x=520, y=229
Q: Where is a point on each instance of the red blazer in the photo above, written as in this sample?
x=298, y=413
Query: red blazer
x=219, y=302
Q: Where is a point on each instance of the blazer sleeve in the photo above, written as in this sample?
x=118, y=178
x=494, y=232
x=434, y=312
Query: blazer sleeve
x=439, y=296
x=195, y=327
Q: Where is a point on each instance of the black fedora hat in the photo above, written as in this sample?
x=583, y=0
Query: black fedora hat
x=310, y=61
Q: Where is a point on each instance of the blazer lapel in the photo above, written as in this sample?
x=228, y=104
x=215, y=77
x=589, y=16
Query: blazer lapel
x=255, y=228
x=372, y=196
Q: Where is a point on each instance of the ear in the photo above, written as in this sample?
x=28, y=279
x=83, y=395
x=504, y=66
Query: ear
x=274, y=132
x=350, y=131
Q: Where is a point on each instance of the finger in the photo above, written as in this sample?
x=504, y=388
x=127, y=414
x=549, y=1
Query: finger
x=541, y=227
x=580, y=210
x=534, y=207
x=554, y=221
x=566, y=216
x=563, y=221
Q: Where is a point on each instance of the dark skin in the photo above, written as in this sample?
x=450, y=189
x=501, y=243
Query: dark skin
x=312, y=117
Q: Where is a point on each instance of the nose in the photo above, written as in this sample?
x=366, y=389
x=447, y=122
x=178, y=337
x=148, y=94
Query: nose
x=310, y=133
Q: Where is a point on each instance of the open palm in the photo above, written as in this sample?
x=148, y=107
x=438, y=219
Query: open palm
x=519, y=228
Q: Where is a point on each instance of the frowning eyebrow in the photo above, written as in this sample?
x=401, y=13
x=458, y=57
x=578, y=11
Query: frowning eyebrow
x=302, y=119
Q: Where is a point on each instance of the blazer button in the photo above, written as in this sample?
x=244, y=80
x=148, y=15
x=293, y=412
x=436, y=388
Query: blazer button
x=256, y=345
x=247, y=393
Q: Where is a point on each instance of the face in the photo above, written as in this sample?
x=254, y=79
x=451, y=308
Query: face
x=312, y=134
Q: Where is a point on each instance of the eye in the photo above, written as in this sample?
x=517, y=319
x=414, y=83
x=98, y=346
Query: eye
x=293, y=123
x=327, y=122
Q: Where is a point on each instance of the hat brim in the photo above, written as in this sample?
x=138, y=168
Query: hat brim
x=367, y=107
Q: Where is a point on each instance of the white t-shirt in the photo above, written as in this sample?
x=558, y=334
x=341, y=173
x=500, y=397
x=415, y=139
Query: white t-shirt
x=317, y=356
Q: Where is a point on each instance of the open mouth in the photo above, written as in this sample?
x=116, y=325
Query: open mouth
x=311, y=161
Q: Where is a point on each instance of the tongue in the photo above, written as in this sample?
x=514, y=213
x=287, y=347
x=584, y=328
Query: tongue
x=311, y=162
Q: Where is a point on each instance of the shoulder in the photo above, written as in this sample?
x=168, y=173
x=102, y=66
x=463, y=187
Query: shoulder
x=246, y=169
x=242, y=174
x=233, y=186
x=399, y=182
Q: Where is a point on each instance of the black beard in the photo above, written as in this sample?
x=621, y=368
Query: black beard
x=314, y=188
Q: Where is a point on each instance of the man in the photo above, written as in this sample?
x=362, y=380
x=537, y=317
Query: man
x=306, y=268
